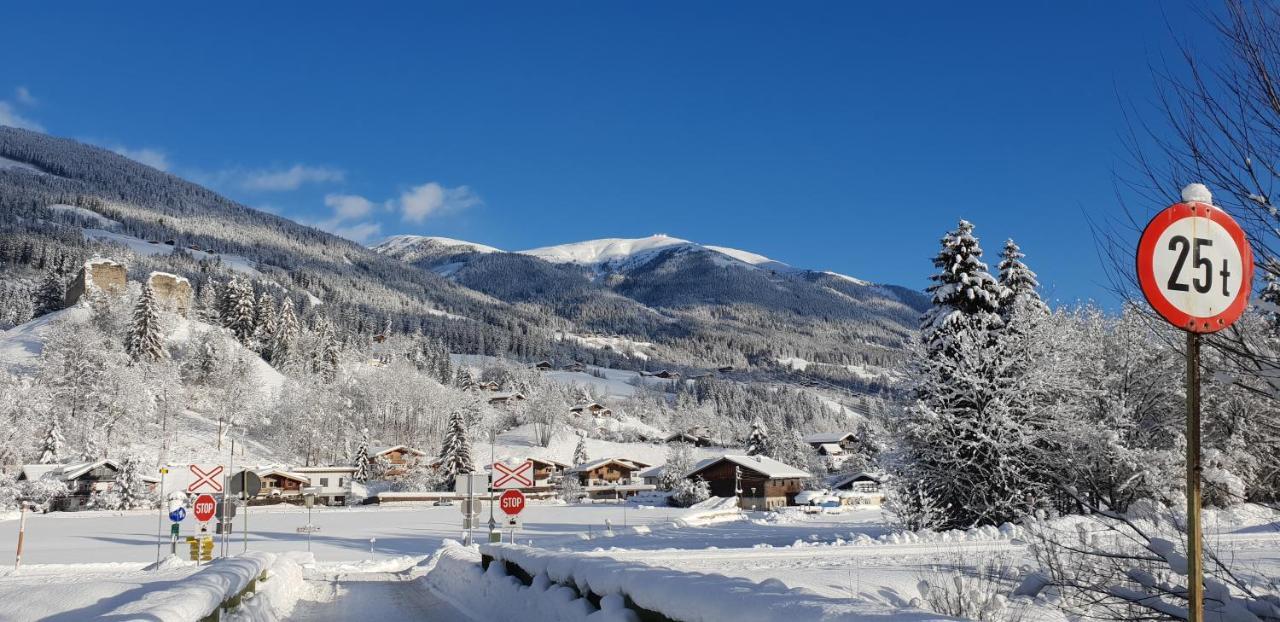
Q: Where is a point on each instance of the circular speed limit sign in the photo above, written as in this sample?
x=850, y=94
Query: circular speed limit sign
x=1195, y=267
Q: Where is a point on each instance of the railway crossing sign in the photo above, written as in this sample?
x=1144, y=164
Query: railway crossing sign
x=518, y=476
x=205, y=478
x=1195, y=265
x=512, y=502
x=204, y=508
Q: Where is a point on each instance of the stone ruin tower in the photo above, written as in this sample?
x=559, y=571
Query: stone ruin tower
x=172, y=291
x=98, y=275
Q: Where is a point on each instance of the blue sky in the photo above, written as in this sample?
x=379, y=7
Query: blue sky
x=845, y=136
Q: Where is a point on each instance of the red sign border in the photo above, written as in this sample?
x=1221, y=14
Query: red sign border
x=197, y=502
x=515, y=473
x=1146, y=271
x=513, y=492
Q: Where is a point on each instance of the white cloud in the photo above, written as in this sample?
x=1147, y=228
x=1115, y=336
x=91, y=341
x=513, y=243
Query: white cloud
x=346, y=209
x=25, y=97
x=348, y=206
x=419, y=202
x=291, y=178
x=9, y=116
x=151, y=156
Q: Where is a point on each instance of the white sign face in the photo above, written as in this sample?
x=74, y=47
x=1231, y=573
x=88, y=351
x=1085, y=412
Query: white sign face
x=479, y=483
x=1198, y=267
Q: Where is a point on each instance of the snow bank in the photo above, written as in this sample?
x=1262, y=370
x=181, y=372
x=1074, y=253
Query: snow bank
x=456, y=576
x=196, y=596
x=685, y=596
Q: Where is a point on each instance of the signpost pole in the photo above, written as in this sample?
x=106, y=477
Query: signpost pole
x=22, y=531
x=1195, y=570
x=164, y=509
x=226, y=496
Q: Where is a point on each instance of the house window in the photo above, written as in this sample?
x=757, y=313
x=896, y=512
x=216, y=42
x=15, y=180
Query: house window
x=324, y=481
x=339, y=482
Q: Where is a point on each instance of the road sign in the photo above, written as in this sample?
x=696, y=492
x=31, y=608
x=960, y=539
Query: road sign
x=518, y=476
x=204, y=508
x=309, y=529
x=178, y=515
x=1195, y=265
x=173, y=529
x=471, y=507
x=205, y=478
x=511, y=502
x=229, y=511
x=244, y=482
x=479, y=483
x=512, y=522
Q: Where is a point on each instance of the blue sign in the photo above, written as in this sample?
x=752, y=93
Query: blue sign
x=178, y=515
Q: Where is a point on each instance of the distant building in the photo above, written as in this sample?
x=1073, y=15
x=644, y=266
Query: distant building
x=765, y=483
x=402, y=458
x=697, y=436
x=594, y=409
x=502, y=399
x=860, y=488
x=651, y=475
x=279, y=484
x=544, y=366
x=832, y=443
x=606, y=471
x=489, y=385
x=575, y=366
x=82, y=480
x=333, y=482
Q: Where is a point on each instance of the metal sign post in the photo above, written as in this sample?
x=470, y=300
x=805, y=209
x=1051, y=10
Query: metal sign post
x=22, y=532
x=1196, y=270
x=160, y=516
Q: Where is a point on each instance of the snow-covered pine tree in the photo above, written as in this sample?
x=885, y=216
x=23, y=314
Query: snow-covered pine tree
x=679, y=463
x=51, y=448
x=362, y=464
x=580, y=452
x=1018, y=282
x=465, y=380
x=239, y=312
x=265, y=321
x=285, y=340
x=325, y=358
x=758, y=440
x=967, y=450
x=207, y=302
x=144, y=343
x=455, y=451
x=131, y=487
x=51, y=292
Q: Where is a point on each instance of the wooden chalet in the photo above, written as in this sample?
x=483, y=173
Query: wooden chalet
x=765, y=483
x=544, y=366
x=400, y=457
x=503, y=399
x=81, y=479
x=832, y=443
x=594, y=409
x=279, y=483
x=606, y=471
x=697, y=436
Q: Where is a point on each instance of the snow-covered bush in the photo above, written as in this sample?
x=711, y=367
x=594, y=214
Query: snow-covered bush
x=569, y=489
x=9, y=491
x=689, y=492
x=105, y=500
x=978, y=592
x=44, y=492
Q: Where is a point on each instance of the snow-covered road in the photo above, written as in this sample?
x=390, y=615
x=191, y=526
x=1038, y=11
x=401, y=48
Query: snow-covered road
x=373, y=596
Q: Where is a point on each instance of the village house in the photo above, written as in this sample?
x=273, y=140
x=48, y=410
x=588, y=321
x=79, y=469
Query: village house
x=832, y=443
x=575, y=366
x=651, y=475
x=863, y=488
x=594, y=409
x=333, y=483
x=765, y=483
x=606, y=471
x=489, y=385
x=544, y=366
x=401, y=458
x=697, y=436
x=278, y=484
x=504, y=399
x=82, y=480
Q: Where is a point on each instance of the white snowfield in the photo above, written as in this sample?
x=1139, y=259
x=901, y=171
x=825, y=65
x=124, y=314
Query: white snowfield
x=143, y=247
x=398, y=243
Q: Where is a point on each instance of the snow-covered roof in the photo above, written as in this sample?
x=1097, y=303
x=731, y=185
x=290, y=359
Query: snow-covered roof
x=831, y=448
x=763, y=465
x=325, y=469
x=588, y=406
x=653, y=471
x=590, y=466
x=855, y=477
x=285, y=474
x=827, y=437
x=34, y=472
x=496, y=397
x=378, y=451
x=69, y=472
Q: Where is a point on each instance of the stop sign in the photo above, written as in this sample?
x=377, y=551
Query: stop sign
x=511, y=502
x=204, y=508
